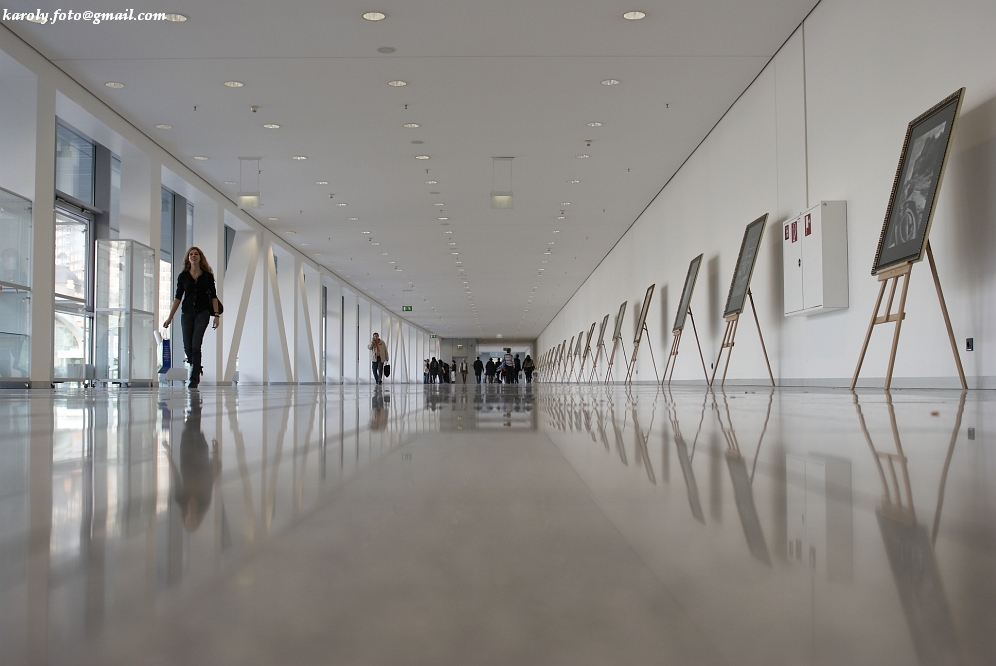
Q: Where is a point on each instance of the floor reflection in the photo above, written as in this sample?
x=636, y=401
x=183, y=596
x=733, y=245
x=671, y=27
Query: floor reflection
x=116, y=506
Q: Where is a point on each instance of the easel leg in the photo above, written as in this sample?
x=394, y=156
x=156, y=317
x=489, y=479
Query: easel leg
x=899, y=325
x=947, y=319
x=868, y=335
x=733, y=325
x=670, y=356
x=758, y=324
x=652, y=359
x=705, y=373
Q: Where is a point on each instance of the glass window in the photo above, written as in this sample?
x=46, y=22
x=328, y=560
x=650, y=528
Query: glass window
x=15, y=239
x=74, y=164
x=72, y=333
x=166, y=226
x=70, y=256
x=190, y=223
x=115, y=212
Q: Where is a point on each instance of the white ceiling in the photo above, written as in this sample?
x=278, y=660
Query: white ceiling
x=515, y=78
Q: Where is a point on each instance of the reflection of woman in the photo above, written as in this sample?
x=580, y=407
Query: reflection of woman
x=10, y=268
x=195, y=286
x=193, y=480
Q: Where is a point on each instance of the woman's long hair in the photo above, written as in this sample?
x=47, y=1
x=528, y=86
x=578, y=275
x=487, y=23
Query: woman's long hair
x=204, y=262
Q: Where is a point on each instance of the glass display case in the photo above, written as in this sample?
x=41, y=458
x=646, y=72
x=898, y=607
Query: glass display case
x=15, y=287
x=124, y=322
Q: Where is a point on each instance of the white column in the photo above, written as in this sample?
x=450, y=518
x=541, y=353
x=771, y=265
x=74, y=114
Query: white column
x=43, y=240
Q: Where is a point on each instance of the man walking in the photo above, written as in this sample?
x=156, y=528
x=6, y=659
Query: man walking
x=378, y=357
x=478, y=369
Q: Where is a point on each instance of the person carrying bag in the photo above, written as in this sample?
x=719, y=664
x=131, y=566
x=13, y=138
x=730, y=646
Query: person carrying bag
x=198, y=295
x=378, y=357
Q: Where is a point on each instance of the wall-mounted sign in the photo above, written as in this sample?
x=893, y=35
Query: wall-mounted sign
x=406, y=308
x=433, y=335
x=459, y=346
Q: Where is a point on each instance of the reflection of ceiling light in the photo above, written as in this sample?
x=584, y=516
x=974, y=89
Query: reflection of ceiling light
x=374, y=243
x=459, y=262
x=392, y=262
x=164, y=127
x=397, y=84
x=431, y=182
x=366, y=232
x=574, y=182
x=114, y=84
x=234, y=84
x=556, y=231
x=421, y=157
x=411, y=125
x=375, y=16
x=610, y=82
x=271, y=126
x=299, y=157
x=452, y=243
x=438, y=205
x=565, y=203
x=383, y=254
x=321, y=182
x=289, y=232
x=634, y=16
x=200, y=158
x=582, y=157
x=175, y=18
x=447, y=232
x=454, y=253
x=548, y=252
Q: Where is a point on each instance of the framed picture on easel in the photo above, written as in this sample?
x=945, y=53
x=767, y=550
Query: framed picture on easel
x=686, y=294
x=749, y=247
x=918, y=179
x=644, y=311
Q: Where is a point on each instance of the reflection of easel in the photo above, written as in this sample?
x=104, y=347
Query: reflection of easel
x=743, y=483
x=643, y=455
x=911, y=550
x=631, y=366
x=675, y=342
x=892, y=275
x=685, y=457
x=618, y=433
x=732, y=321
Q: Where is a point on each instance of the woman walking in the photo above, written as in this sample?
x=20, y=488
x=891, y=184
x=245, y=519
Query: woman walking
x=198, y=295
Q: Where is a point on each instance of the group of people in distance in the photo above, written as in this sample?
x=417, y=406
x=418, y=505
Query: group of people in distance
x=505, y=370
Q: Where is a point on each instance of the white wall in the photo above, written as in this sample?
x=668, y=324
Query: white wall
x=825, y=120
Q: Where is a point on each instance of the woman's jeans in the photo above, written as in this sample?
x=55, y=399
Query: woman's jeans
x=194, y=324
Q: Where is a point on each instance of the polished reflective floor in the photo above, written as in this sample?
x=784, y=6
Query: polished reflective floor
x=526, y=524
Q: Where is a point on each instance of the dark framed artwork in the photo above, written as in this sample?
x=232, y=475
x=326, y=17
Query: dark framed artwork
x=591, y=333
x=570, y=348
x=918, y=179
x=601, y=331
x=644, y=311
x=749, y=247
x=617, y=332
x=577, y=350
x=686, y=294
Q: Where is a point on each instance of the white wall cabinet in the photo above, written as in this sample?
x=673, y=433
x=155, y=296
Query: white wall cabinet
x=814, y=254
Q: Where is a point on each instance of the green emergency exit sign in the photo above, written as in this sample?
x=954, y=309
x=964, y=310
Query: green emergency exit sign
x=406, y=308
x=433, y=335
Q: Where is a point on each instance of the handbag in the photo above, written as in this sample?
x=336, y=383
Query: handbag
x=387, y=369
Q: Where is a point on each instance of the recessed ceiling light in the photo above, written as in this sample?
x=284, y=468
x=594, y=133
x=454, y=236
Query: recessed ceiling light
x=548, y=252
x=454, y=253
x=321, y=182
x=164, y=127
x=438, y=204
x=421, y=157
x=574, y=182
x=459, y=262
x=273, y=219
x=232, y=182
x=271, y=126
x=392, y=262
x=556, y=231
x=199, y=158
x=299, y=157
x=565, y=203
x=305, y=244
x=582, y=157
x=234, y=84
x=374, y=243
x=610, y=82
x=442, y=218
x=634, y=16
x=175, y=18
x=318, y=254
x=366, y=232
x=561, y=217
x=447, y=232
x=410, y=125
x=551, y=243
x=386, y=49
x=114, y=84
x=595, y=124
x=342, y=204
x=383, y=254
x=290, y=232
x=375, y=16
x=397, y=83
x=353, y=219
x=431, y=182
x=452, y=243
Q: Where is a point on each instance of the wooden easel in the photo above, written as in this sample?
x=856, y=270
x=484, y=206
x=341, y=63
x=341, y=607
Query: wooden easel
x=587, y=352
x=631, y=366
x=675, y=343
x=892, y=275
x=616, y=342
x=730, y=334
x=599, y=349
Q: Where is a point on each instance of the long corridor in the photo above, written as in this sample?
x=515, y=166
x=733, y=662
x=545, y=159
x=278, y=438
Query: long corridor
x=521, y=524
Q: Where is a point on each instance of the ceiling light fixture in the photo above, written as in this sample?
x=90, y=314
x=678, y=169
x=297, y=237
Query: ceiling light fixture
x=431, y=182
x=397, y=83
x=234, y=84
x=442, y=218
x=164, y=127
x=271, y=126
x=610, y=82
x=298, y=157
x=582, y=157
x=574, y=182
x=321, y=182
x=199, y=158
x=410, y=125
x=561, y=217
x=114, y=84
x=175, y=18
x=230, y=182
x=375, y=16
x=439, y=205
x=595, y=124
x=421, y=157
x=353, y=219
x=634, y=16
x=342, y=204
x=565, y=203
x=273, y=219
x=366, y=232
x=286, y=232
